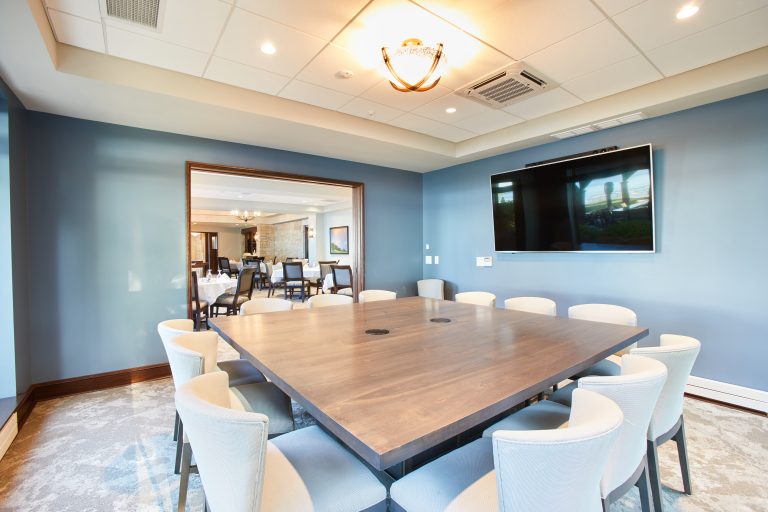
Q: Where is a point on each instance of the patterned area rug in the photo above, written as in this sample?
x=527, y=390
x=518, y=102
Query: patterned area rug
x=112, y=450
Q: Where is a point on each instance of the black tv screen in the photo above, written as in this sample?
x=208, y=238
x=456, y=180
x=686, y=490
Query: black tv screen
x=595, y=203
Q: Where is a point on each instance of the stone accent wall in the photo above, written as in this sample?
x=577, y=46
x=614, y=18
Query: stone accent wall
x=289, y=240
x=266, y=241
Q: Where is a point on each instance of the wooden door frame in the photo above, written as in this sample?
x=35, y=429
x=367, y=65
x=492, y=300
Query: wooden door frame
x=358, y=213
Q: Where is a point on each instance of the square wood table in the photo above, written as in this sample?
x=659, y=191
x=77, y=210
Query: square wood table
x=392, y=379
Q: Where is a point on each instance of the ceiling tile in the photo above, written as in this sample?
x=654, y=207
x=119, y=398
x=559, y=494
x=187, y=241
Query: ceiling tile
x=613, y=7
x=195, y=24
x=717, y=43
x=246, y=32
x=324, y=68
x=77, y=31
x=452, y=133
x=370, y=110
x=387, y=23
x=155, y=52
x=543, y=104
x=315, y=18
x=618, y=77
x=234, y=73
x=660, y=14
x=384, y=93
x=464, y=108
x=315, y=95
x=487, y=122
x=84, y=8
x=416, y=123
x=523, y=27
x=594, y=48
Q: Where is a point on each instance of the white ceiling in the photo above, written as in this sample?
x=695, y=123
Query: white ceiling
x=214, y=195
x=609, y=57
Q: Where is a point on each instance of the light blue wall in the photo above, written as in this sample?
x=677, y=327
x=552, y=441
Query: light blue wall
x=107, y=227
x=7, y=345
x=709, y=277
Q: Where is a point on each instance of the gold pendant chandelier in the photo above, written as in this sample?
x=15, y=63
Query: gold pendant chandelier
x=414, y=67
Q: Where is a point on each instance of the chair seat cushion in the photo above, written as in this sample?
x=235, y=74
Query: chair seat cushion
x=345, y=291
x=608, y=367
x=267, y=399
x=462, y=480
x=226, y=299
x=240, y=372
x=294, y=283
x=540, y=416
x=307, y=470
x=203, y=305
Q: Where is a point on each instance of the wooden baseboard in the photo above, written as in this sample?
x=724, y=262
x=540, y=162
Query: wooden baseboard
x=8, y=434
x=86, y=383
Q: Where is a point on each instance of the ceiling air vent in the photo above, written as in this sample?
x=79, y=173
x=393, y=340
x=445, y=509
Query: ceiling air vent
x=506, y=86
x=142, y=12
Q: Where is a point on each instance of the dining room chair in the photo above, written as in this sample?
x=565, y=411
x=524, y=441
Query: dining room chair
x=200, y=308
x=342, y=279
x=609, y=314
x=232, y=300
x=636, y=391
x=477, y=298
x=265, y=305
x=293, y=278
x=539, y=305
x=376, y=295
x=431, y=288
x=521, y=470
x=224, y=265
x=241, y=470
x=329, y=299
x=325, y=269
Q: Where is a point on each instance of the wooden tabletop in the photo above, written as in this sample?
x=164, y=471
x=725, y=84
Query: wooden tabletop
x=391, y=396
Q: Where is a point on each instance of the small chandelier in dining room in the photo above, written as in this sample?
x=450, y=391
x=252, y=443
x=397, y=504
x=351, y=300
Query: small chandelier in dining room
x=244, y=216
x=414, y=67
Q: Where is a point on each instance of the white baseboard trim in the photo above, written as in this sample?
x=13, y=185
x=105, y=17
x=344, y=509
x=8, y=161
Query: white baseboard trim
x=728, y=393
x=8, y=434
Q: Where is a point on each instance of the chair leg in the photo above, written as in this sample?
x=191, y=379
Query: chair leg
x=606, y=505
x=644, y=486
x=682, y=454
x=179, y=448
x=176, y=427
x=186, y=459
x=654, y=475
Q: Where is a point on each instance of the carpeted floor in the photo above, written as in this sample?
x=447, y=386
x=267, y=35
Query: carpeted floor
x=112, y=450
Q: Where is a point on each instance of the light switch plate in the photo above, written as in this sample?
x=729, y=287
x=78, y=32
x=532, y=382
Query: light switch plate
x=428, y=260
x=427, y=246
x=484, y=261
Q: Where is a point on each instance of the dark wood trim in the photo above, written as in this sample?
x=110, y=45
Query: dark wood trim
x=726, y=404
x=86, y=383
x=358, y=213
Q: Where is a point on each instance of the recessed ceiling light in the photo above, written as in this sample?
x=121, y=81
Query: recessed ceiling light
x=450, y=110
x=268, y=48
x=687, y=11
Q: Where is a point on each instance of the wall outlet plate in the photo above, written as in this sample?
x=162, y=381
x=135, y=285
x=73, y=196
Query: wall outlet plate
x=484, y=261
x=428, y=260
x=437, y=260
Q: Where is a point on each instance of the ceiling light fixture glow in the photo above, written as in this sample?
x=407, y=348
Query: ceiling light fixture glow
x=268, y=48
x=450, y=110
x=414, y=67
x=687, y=11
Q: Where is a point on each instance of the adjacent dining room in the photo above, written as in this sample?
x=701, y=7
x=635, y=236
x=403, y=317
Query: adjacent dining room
x=383, y=255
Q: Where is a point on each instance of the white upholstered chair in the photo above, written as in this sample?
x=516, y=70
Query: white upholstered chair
x=477, y=298
x=635, y=391
x=265, y=305
x=515, y=470
x=242, y=471
x=609, y=314
x=328, y=299
x=374, y=295
x=540, y=305
x=431, y=288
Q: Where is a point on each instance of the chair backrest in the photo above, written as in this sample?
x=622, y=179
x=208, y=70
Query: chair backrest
x=192, y=354
x=265, y=305
x=224, y=264
x=269, y=266
x=635, y=391
x=477, y=298
x=293, y=271
x=342, y=276
x=325, y=267
x=678, y=353
x=245, y=282
x=374, y=295
x=195, y=292
x=607, y=313
x=229, y=445
x=431, y=288
x=169, y=329
x=577, y=454
x=328, y=299
x=540, y=305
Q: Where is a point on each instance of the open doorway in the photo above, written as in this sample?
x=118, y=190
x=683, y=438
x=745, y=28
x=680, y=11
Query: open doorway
x=235, y=215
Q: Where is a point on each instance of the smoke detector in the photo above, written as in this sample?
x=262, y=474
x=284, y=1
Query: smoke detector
x=506, y=86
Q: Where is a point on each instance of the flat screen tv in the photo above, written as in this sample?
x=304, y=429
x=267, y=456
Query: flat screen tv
x=596, y=203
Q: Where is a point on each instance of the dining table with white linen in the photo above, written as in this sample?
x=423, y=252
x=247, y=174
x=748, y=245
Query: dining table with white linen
x=309, y=272
x=210, y=289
